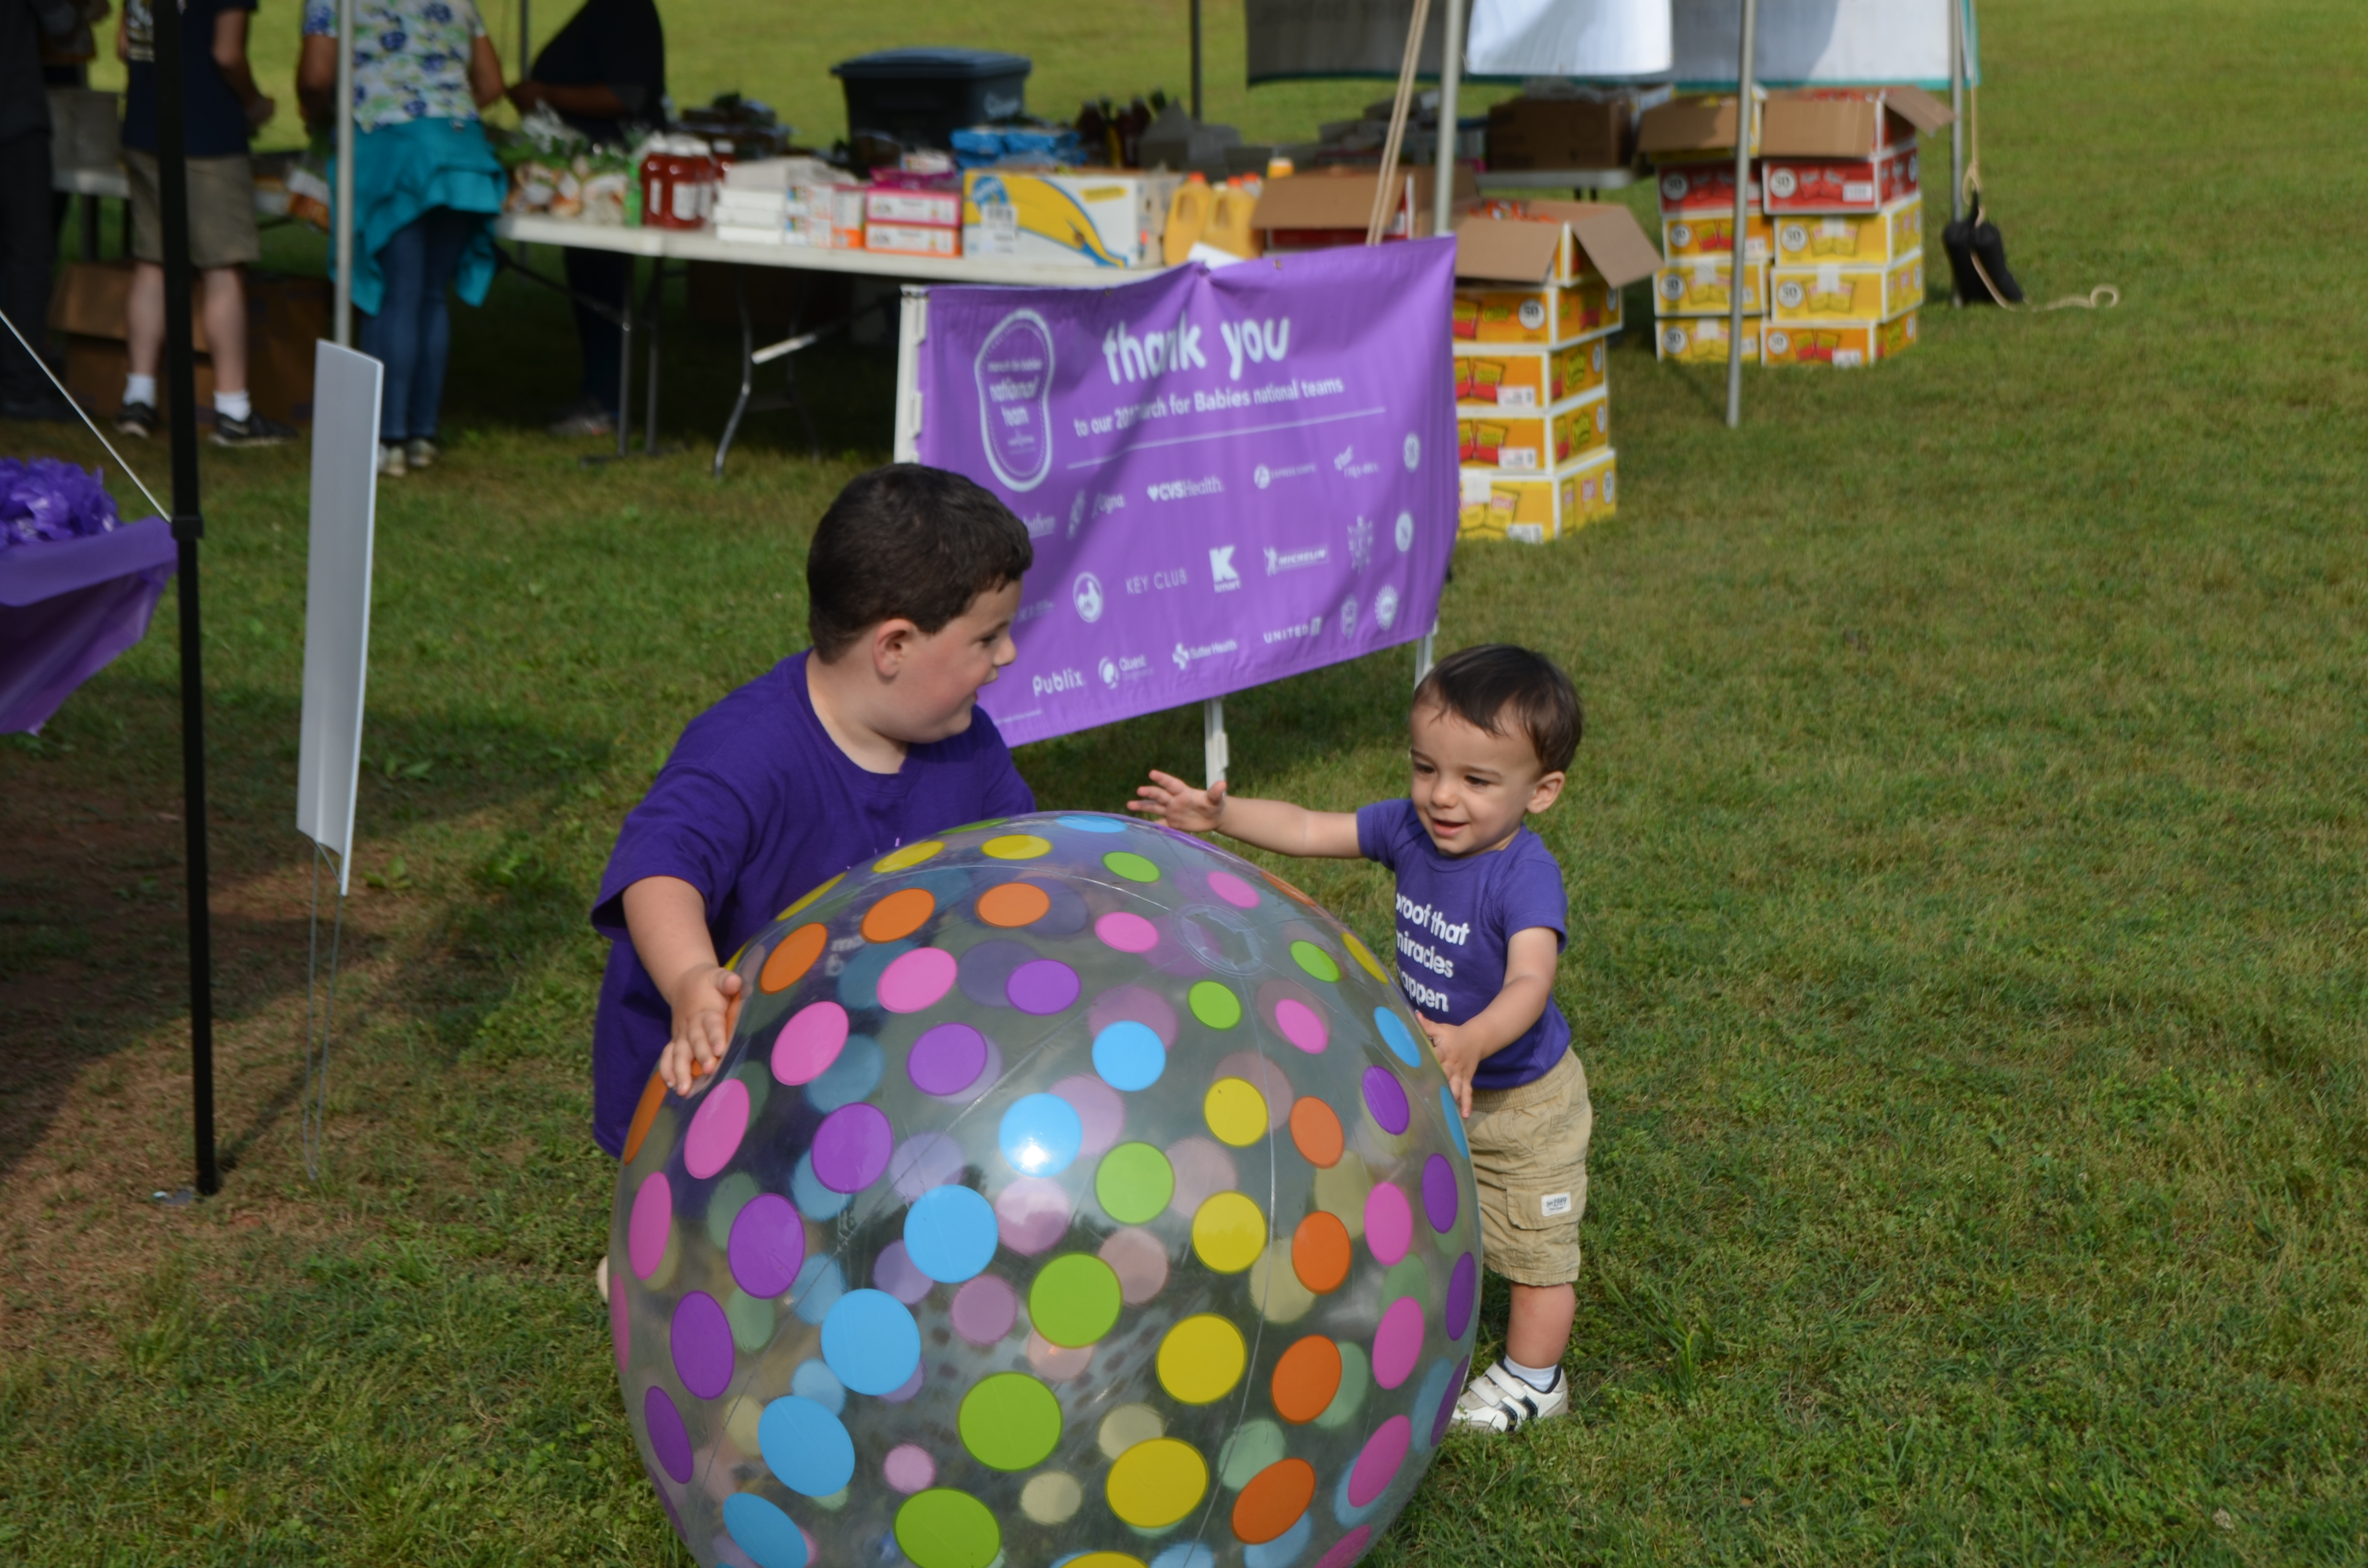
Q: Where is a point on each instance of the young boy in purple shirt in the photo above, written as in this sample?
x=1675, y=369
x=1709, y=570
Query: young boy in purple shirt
x=1481, y=918
x=866, y=741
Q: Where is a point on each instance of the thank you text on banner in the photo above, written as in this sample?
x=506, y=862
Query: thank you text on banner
x=1230, y=476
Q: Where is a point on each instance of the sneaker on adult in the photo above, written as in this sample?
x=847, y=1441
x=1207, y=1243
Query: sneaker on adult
x=47, y=407
x=254, y=430
x=137, y=419
x=420, y=452
x=587, y=418
x=1502, y=1400
x=391, y=461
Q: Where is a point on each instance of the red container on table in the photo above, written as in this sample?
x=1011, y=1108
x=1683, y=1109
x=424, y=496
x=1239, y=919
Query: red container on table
x=678, y=185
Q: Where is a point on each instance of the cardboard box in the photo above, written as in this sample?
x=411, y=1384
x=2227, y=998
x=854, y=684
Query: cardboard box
x=1561, y=134
x=912, y=239
x=1708, y=234
x=1703, y=288
x=1518, y=379
x=1696, y=124
x=1544, y=317
x=1701, y=340
x=1842, y=345
x=1082, y=220
x=894, y=204
x=1534, y=443
x=284, y=317
x=1553, y=242
x=1531, y=508
x=1893, y=234
x=1858, y=292
x=1704, y=189
x=1847, y=122
x=1838, y=185
x=1325, y=208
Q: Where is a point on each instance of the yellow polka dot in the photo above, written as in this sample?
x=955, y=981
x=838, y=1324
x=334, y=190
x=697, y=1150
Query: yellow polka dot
x=1275, y=1285
x=1201, y=1358
x=742, y=1423
x=1237, y=1111
x=1364, y=956
x=812, y=897
x=1154, y=1484
x=1129, y=1425
x=1016, y=847
x=1052, y=1498
x=911, y=854
x=1342, y=1191
x=1104, y=1560
x=1229, y=1233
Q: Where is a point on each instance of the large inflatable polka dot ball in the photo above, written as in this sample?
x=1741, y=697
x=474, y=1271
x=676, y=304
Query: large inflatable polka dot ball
x=1072, y=1191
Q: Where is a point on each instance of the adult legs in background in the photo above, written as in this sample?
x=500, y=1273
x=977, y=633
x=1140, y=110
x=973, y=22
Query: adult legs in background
x=223, y=305
x=447, y=236
x=28, y=239
x=392, y=336
x=599, y=275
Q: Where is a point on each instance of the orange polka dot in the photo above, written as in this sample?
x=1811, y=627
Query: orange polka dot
x=1317, y=1132
x=1014, y=904
x=1306, y=1379
x=1273, y=1501
x=653, y=1096
x=1320, y=1254
x=787, y=964
x=901, y=914
x=1293, y=892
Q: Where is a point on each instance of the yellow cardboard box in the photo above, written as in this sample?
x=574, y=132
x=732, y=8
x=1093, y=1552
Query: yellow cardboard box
x=1534, y=443
x=1692, y=238
x=1531, y=508
x=1845, y=346
x=1084, y=220
x=1700, y=288
x=1547, y=316
x=1893, y=234
x=1851, y=291
x=1699, y=340
x=1494, y=380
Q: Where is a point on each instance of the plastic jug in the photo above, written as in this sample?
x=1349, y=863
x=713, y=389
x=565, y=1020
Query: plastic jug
x=1187, y=218
x=1229, y=222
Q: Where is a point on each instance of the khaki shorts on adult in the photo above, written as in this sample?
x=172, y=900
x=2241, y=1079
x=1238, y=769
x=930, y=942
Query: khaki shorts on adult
x=1529, y=1155
x=222, y=210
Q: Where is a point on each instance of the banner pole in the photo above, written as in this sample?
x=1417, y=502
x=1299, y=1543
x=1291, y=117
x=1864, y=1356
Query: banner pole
x=1213, y=749
x=1196, y=62
x=1451, y=84
x=1740, y=270
x=343, y=325
x=1956, y=125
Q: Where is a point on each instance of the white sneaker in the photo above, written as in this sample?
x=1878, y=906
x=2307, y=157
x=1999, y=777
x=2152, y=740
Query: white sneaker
x=390, y=461
x=600, y=1278
x=1496, y=1401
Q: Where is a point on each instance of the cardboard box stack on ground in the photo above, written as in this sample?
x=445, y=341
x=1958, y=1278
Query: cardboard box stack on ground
x=1537, y=299
x=1329, y=207
x=284, y=317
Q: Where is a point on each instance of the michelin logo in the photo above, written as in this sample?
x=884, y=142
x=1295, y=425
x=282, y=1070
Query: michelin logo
x=1293, y=560
x=1223, y=578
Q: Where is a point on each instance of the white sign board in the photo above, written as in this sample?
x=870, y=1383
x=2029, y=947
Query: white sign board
x=1568, y=38
x=346, y=392
x=1865, y=43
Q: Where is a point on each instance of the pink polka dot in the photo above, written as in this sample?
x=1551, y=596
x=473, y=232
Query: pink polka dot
x=1058, y=1363
x=1233, y=890
x=905, y=1390
x=1032, y=1214
x=984, y=1309
x=1385, y=1451
x=715, y=1129
x=1140, y=1260
x=1128, y=932
x=810, y=1042
x=1301, y=1024
x=1145, y=1006
x=915, y=980
x=1389, y=1222
x=909, y=1469
x=1397, y=1343
x=1099, y=1110
x=1347, y=1549
x=645, y=1234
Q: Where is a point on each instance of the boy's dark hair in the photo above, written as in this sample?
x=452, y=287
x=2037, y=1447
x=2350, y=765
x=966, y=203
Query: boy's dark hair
x=908, y=541
x=1495, y=684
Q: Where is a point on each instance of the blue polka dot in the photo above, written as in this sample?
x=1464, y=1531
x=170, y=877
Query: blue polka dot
x=1425, y=1401
x=1093, y=825
x=1284, y=1548
x=850, y=1078
x=949, y=1234
x=817, y=1288
x=764, y=1532
x=1129, y=1055
x=1394, y=1035
x=1454, y=1122
x=872, y=1342
x=1191, y=1554
x=805, y=1446
x=1347, y=1513
x=814, y=1201
x=1040, y=1135
x=858, y=983
x=817, y=1382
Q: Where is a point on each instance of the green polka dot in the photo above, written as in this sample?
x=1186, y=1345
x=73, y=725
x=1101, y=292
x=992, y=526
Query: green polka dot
x=974, y=826
x=1408, y=1277
x=1316, y=961
x=1134, y=868
x=1134, y=1182
x=1074, y=1302
x=1214, y=1005
x=1254, y=1445
x=724, y=1205
x=751, y=1318
x=945, y=1529
x=1010, y=1421
x=1356, y=1380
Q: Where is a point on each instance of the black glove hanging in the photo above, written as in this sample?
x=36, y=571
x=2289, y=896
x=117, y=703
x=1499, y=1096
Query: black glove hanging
x=1977, y=259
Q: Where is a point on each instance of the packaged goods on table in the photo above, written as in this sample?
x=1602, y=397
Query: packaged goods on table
x=1843, y=346
x=1089, y=219
x=554, y=171
x=1705, y=287
x=1533, y=508
x=1701, y=340
x=679, y=180
x=915, y=211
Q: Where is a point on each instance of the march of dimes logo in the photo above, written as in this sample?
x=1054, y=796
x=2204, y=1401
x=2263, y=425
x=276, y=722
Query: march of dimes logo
x=1014, y=371
x=1086, y=593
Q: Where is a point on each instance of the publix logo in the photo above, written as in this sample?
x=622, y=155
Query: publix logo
x=1056, y=683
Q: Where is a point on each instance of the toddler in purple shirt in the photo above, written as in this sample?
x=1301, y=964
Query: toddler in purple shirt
x=868, y=740
x=1481, y=919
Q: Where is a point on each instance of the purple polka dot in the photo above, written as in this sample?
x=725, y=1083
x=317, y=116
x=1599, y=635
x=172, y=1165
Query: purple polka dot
x=701, y=1341
x=1233, y=890
x=621, y=1325
x=904, y=1391
x=767, y=1246
x=1440, y=1200
x=947, y=1060
x=1046, y=986
x=1378, y=1465
x=1347, y=1549
x=852, y=1147
x=915, y=980
x=1389, y=1222
x=1463, y=1293
x=1100, y=1112
x=715, y=1129
x=1439, y=1423
x=892, y=1271
x=645, y=1233
x=922, y=1162
x=1385, y=1097
x=668, y=1441
x=987, y=966
x=984, y=1309
x=1397, y=1342
x=1032, y=1214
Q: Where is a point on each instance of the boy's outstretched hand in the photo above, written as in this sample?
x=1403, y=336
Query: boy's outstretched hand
x=1458, y=1055
x=1170, y=800
x=704, y=1001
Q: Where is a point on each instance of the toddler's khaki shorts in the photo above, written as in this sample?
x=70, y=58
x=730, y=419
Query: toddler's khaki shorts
x=1529, y=1155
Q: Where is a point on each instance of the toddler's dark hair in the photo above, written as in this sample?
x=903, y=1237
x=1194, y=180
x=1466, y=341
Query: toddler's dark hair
x=908, y=541
x=1496, y=683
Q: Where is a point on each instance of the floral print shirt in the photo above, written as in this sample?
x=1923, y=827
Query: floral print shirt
x=411, y=57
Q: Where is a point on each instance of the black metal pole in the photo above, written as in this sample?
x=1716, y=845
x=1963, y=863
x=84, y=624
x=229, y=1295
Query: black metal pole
x=1196, y=59
x=188, y=526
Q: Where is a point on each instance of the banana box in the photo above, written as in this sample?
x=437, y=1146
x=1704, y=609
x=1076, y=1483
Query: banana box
x=1081, y=219
x=1547, y=316
x=1708, y=234
x=1531, y=508
x=1702, y=287
x=1893, y=234
x=1534, y=443
x=1845, y=346
x=1855, y=292
x=1701, y=340
x=1506, y=380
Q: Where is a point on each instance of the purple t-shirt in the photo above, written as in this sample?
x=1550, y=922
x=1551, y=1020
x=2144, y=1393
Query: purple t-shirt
x=757, y=807
x=1457, y=915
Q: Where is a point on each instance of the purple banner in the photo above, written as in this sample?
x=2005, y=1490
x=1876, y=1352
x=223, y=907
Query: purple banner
x=1230, y=476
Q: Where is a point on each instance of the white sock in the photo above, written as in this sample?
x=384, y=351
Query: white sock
x=139, y=389
x=1541, y=1378
x=234, y=405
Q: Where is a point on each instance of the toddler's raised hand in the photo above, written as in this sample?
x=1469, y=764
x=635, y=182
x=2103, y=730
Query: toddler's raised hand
x=1177, y=803
x=1459, y=1058
x=704, y=1003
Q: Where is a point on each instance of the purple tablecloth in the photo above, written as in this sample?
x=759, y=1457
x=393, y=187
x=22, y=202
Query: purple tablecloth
x=68, y=607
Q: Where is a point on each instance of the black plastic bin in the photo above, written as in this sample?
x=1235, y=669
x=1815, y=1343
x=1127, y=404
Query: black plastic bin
x=921, y=97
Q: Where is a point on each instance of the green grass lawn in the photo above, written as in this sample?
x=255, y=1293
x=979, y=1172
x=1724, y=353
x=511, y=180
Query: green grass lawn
x=1970, y=945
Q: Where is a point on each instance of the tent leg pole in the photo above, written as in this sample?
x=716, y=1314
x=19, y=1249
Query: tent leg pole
x=1451, y=84
x=1741, y=268
x=1196, y=59
x=1213, y=750
x=343, y=323
x=1956, y=124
